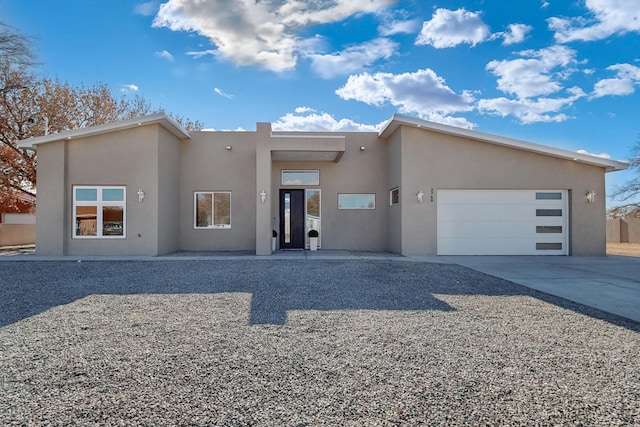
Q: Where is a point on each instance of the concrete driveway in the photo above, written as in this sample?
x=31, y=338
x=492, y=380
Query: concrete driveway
x=610, y=283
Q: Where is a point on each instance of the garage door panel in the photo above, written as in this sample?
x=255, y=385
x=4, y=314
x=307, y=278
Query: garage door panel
x=487, y=229
x=480, y=196
x=469, y=212
x=501, y=222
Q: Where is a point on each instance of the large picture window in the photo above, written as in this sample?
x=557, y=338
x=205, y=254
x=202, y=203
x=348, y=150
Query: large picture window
x=99, y=212
x=212, y=209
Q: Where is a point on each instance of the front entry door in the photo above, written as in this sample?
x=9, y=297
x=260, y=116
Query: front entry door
x=292, y=219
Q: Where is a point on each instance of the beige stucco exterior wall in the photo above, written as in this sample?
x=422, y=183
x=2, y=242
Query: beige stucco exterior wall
x=17, y=234
x=395, y=161
x=170, y=170
x=169, y=177
x=52, y=225
x=128, y=158
x=206, y=165
x=357, y=171
x=438, y=161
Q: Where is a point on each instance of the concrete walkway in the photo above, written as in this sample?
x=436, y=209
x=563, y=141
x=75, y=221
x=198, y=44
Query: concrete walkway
x=610, y=283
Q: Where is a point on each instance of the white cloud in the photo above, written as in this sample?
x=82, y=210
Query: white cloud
x=201, y=53
x=609, y=17
x=542, y=109
x=628, y=76
x=422, y=92
x=257, y=33
x=516, y=34
x=353, y=58
x=612, y=87
x=307, y=119
x=601, y=155
x=532, y=80
x=221, y=93
x=538, y=72
x=302, y=110
x=129, y=88
x=544, y=4
x=449, y=28
x=146, y=9
x=165, y=55
x=396, y=22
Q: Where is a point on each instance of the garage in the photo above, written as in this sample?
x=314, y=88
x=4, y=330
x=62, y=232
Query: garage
x=502, y=222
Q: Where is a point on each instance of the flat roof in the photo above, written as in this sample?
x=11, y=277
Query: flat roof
x=399, y=120
x=159, y=118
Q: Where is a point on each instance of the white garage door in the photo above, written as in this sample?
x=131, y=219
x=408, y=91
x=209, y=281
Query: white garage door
x=502, y=222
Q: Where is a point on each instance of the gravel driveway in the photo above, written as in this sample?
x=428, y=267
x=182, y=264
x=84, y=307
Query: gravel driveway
x=303, y=343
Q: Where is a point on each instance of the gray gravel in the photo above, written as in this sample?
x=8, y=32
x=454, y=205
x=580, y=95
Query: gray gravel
x=303, y=343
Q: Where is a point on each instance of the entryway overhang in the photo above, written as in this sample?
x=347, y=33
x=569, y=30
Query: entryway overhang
x=312, y=148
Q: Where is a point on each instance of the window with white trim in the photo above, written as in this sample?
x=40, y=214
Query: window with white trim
x=394, y=196
x=99, y=212
x=212, y=209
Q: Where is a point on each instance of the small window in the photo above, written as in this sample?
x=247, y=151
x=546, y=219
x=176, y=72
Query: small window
x=394, y=196
x=546, y=229
x=549, y=246
x=300, y=177
x=356, y=201
x=549, y=196
x=99, y=212
x=212, y=209
x=548, y=212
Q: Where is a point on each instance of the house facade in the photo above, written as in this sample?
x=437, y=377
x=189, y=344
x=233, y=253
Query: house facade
x=148, y=187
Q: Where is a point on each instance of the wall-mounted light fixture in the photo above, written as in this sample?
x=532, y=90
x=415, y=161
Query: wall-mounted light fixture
x=228, y=147
x=420, y=195
x=591, y=196
x=263, y=196
x=362, y=148
x=140, y=194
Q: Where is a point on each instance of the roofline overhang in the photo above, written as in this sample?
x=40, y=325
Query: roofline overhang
x=398, y=120
x=159, y=118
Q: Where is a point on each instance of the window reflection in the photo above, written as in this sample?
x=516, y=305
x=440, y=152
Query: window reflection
x=86, y=220
x=313, y=213
x=287, y=217
x=300, y=177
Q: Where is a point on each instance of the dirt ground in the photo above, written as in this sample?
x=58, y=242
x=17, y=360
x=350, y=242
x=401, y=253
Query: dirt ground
x=625, y=249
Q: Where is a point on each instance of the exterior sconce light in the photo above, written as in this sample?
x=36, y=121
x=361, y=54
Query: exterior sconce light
x=420, y=195
x=263, y=196
x=362, y=148
x=591, y=196
x=140, y=194
x=228, y=147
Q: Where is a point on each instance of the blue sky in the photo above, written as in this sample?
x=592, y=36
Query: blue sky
x=555, y=72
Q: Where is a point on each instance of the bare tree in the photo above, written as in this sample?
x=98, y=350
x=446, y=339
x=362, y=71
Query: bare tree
x=628, y=194
x=15, y=48
x=32, y=106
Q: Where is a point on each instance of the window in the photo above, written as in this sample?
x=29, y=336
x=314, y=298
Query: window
x=212, y=209
x=548, y=196
x=548, y=212
x=356, y=201
x=313, y=213
x=99, y=212
x=394, y=196
x=549, y=246
x=548, y=229
x=301, y=177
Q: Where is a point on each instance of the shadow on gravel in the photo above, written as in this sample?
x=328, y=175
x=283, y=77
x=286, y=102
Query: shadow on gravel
x=276, y=286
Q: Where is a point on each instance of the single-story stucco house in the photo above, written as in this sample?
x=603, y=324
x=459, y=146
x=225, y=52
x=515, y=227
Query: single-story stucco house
x=148, y=187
